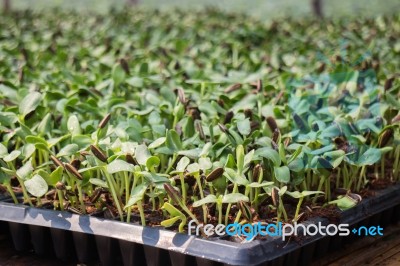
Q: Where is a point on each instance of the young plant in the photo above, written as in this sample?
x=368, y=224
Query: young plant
x=177, y=199
x=228, y=198
x=301, y=196
x=175, y=215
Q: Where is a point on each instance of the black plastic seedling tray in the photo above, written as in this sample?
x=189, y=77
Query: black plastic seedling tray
x=83, y=238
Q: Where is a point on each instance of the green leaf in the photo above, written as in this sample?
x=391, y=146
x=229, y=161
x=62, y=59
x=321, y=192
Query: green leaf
x=25, y=171
x=344, y=203
x=98, y=182
x=308, y=193
x=27, y=150
x=296, y=165
x=234, y=177
x=82, y=141
x=158, y=142
x=12, y=156
x=269, y=154
x=209, y=199
x=137, y=194
x=4, y=178
x=8, y=171
x=30, y=103
x=244, y=127
x=3, y=151
x=371, y=156
x=73, y=125
x=170, y=222
x=295, y=154
x=68, y=150
x=135, y=82
x=248, y=158
x=36, y=186
x=118, y=165
x=142, y=154
x=92, y=162
x=36, y=140
x=297, y=194
x=45, y=125
x=118, y=74
x=55, y=176
x=53, y=141
x=282, y=191
x=171, y=209
x=206, y=149
x=193, y=153
x=234, y=198
x=323, y=150
x=258, y=185
x=152, y=162
x=155, y=178
x=182, y=164
x=205, y=163
x=392, y=101
x=282, y=174
x=240, y=158
x=173, y=141
x=193, y=168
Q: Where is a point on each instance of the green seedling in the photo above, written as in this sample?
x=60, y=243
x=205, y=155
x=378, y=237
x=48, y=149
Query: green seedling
x=124, y=132
x=176, y=215
x=301, y=196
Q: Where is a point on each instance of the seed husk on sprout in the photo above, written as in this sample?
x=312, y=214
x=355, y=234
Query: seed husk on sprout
x=98, y=153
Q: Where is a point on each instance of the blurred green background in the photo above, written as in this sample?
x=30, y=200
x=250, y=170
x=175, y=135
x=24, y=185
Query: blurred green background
x=264, y=9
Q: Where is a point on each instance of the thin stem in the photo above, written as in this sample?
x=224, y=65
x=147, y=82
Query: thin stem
x=360, y=178
x=338, y=177
x=24, y=192
x=219, y=205
x=239, y=213
x=328, y=189
x=128, y=215
x=257, y=192
x=11, y=192
x=282, y=208
x=141, y=211
x=80, y=195
x=114, y=194
x=60, y=199
x=321, y=183
x=345, y=177
x=314, y=179
x=304, y=185
x=153, y=200
x=228, y=209
x=279, y=213
x=353, y=175
x=309, y=179
x=205, y=211
x=171, y=163
x=298, y=208
x=39, y=202
x=127, y=188
x=183, y=187
x=189, y=213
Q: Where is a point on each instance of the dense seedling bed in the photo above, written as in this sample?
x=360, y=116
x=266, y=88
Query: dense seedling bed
x=162, y=118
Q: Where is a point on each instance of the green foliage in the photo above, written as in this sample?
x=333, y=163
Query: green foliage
x=187, y=115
